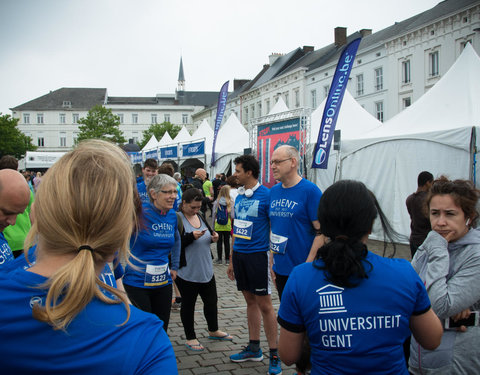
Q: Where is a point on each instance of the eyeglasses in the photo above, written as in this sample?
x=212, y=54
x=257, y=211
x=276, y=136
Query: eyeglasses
x=276, y=162
x=170, y=192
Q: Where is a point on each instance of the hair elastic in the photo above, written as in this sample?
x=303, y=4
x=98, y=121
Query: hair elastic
x=85, y=247
x=341, y=237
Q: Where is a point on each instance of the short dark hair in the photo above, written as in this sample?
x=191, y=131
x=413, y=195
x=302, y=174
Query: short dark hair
x=249, y=163
x=151, y=163
x=8, y=162
x=166, y=168
x=423, y=178
x=190, y=195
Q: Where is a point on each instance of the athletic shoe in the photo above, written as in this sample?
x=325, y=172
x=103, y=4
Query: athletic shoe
x=275, y=367
x=176, y=305
x=227, y=262
x=218, y=261
x=247, y=355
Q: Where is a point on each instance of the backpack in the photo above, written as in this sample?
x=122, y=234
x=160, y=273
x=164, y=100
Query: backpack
x=222, y=215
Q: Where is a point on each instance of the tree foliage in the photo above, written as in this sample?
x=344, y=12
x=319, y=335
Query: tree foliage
x=12, y=140
x=158, y=130
x=101, y=123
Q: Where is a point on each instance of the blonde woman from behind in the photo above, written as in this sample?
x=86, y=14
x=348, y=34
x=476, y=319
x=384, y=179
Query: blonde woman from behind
x=58, y=311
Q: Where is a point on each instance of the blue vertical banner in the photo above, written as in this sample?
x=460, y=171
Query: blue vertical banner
x=333, y=104
x=222, y=102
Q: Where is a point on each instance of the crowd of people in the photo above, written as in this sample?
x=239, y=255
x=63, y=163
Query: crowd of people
x=95, y=254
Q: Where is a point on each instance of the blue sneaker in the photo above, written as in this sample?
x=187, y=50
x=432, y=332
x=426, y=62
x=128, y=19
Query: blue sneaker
x=275, y=367
x=247, y=355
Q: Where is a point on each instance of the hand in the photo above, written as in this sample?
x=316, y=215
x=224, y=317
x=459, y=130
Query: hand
x=214, y=237
x=450, y=236
x=173, y=274
x=230, y=273
x=198, y=233
x=462, y=315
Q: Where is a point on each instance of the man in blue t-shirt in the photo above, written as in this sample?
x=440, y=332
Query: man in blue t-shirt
x=294, y=237
x=249, y=263
x=14, y=198
x=149, y=170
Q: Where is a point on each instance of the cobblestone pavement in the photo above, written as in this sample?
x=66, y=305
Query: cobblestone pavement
x=232, y=319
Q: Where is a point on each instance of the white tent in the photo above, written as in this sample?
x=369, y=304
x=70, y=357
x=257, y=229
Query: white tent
x=204, y=132
x=279, y=107
x=232, y=139
x=352, y=121
x=151, y=144
x=166, y=140
x=183, y=136
x=434, y=134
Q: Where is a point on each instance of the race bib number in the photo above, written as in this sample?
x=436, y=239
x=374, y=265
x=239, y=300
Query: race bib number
x=156, y=275
x=242, y=229
x=278, y=244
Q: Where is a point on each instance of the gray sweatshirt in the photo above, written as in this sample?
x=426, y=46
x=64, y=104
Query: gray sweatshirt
x=451, y=273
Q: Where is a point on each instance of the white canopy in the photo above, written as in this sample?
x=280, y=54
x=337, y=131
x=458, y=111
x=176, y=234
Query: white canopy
x=151, y=144
x=433, y=134
x=183, y=136
x=279, y=107
x=166, y=140
x=204, y=131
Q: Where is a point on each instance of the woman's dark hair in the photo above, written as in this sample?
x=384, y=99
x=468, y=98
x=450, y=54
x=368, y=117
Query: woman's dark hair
x=346, y=214
x=463, y=193
x=189, y=195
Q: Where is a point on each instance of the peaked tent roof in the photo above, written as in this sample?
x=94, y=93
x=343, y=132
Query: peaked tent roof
x=353, y=120
x=182, y=136
x=204, y=131
x=166, y=140
x=452, y=103
x=279, y=107
x=151, y=144
x=232, y=138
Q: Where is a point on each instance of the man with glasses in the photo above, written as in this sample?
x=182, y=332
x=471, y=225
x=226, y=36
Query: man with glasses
x=294, y=237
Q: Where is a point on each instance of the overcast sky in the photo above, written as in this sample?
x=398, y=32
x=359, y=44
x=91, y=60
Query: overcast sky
x=133, y=47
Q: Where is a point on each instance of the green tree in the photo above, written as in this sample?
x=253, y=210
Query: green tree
x=12, y=140
x=158, y=130
x=101, y=123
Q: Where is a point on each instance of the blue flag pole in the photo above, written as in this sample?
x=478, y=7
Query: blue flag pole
x=333, y=104
x=222, y=102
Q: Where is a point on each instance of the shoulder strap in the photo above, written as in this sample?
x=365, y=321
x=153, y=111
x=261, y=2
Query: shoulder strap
x=200, y=215
x=179, y=223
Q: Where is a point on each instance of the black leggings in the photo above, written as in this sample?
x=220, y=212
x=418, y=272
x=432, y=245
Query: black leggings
x=153, y=300
x=190, y=291
x=223, y=239
x=280, y=282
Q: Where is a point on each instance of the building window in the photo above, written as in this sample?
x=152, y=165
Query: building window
x=433, y=64
x=63, y=139
x=259, y=109
x=313, y=95
x=379, y=111
x=62, y=118
x=246, y=114
x=74, y=137
x=185, y=118
x=326, y=89
x=39, y=118
x=464, y=44
x=75, y=118
x=297, y=98
x=120, y=117
x=287, y=99
x=135, y=137
x=379, y=79
x=360, y=86
x=26, y=118
x=267, y=104
x=406, y=72
x=252, y=110
x=40, y=141
x=407, y=102
x=166, y=117
x=154, y=118
x=67, y=104
x=134, y=118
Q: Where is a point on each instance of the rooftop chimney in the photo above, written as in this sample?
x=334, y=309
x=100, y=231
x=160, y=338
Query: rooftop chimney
x=237, y=83
x=273, y=57
x=340, y=36
x=307, y=49
x=365, y=32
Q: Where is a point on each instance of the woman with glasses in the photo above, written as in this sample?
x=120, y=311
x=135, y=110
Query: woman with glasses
x=148, y=280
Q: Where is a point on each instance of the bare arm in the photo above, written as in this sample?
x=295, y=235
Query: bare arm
x=427, y=329
x=318, y=242
x=290, y=346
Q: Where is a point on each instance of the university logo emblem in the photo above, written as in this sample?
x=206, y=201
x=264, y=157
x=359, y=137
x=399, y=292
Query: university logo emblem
x=331, y=300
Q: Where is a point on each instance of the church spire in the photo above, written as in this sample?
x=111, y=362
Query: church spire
x=181, y=77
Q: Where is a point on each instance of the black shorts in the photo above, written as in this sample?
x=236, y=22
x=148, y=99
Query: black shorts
x=252, y=272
